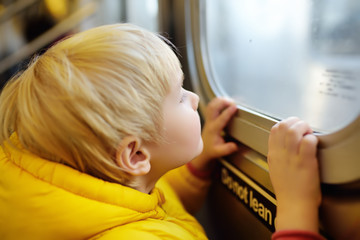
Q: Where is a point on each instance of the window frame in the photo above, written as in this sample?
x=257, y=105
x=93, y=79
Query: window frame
x=338, y=153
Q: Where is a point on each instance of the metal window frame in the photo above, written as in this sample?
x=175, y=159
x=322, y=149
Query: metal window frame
x=338, y=152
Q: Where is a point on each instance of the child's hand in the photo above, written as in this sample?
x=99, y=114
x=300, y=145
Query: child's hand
x=294, y=174
x=217, y=115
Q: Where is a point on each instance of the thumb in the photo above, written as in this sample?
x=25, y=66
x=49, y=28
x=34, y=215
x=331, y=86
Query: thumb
x=226, y=149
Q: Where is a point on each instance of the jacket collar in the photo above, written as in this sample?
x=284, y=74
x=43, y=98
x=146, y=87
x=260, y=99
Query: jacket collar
x=79, y=183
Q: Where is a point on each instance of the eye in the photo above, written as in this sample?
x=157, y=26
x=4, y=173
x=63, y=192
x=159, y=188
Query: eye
x=183, y=97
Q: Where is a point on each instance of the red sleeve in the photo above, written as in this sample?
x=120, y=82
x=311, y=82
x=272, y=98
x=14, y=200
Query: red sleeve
x=296, y=235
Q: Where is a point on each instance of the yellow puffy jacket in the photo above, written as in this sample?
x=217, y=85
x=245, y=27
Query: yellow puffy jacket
x=40, y=199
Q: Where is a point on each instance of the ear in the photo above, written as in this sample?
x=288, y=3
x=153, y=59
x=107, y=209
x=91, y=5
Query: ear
x=132, y=157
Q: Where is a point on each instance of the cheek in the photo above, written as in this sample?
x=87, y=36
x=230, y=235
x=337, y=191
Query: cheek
x=191, y=129
x=195, y=129
x=185, y=132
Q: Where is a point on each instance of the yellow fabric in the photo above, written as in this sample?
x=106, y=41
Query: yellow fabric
x=194, y=194
x=40, y=199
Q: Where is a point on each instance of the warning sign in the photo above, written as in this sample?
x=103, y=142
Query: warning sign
x=258, y=201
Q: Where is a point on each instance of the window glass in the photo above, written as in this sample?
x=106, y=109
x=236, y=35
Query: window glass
x=287, y=57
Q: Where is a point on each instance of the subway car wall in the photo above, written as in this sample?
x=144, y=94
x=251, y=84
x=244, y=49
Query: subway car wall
x=223, y=46
x=249, y=50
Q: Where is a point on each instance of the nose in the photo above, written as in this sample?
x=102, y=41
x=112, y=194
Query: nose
x=194, y=100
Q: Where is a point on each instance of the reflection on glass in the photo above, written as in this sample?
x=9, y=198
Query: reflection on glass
x=288, y=58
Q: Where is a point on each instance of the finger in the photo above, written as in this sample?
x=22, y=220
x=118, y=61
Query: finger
x=272, y=142
x=215, y=107
x=294, y=135
x=278, y=132
x=226, y=149
x=225, y=117
x=308, y=147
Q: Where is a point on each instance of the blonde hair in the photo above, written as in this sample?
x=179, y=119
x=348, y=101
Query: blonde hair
x=76, y=102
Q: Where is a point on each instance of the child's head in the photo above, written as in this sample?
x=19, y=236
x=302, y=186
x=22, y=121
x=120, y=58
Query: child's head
x=76, y=102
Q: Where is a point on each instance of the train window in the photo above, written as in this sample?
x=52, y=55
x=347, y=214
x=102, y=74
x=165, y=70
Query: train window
x=283, y=58
x=279, y=58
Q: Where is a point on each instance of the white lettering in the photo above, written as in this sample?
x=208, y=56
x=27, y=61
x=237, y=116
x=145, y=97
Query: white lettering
x=246, y=196
x=260, y=209
x=240, y=191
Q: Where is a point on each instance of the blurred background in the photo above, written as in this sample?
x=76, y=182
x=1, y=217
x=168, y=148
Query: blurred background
x=30, y=26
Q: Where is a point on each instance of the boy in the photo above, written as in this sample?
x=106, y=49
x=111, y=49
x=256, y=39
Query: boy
x=91, y=132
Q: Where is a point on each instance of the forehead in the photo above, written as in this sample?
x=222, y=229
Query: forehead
x=178, y=79
x=176, y=84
